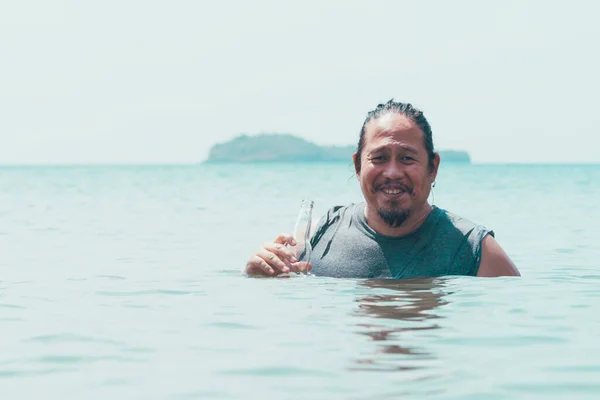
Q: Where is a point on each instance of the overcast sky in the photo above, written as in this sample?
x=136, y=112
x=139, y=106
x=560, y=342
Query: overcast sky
x=162, y=81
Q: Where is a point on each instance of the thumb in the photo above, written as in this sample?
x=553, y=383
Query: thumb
x=301, y=266
x=285, y=238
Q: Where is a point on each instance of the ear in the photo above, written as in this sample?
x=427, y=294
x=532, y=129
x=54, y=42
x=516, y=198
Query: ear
x=436, y=165
x=356, y=165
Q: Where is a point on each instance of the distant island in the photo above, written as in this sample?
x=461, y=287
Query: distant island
x=283, y=147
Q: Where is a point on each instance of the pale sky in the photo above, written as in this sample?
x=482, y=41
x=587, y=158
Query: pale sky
x=161, y=82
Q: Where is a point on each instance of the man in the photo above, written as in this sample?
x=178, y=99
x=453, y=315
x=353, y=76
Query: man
x=395, y=233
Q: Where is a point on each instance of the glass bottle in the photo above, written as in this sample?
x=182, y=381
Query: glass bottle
x=303, y=248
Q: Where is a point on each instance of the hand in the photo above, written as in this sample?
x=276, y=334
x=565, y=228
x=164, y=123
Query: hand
x=275, y=258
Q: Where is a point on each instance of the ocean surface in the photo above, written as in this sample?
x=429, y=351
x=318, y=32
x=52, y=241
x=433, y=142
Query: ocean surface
x=123, y=282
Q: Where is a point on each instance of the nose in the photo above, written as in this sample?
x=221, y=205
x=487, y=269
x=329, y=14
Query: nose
x=393, y=170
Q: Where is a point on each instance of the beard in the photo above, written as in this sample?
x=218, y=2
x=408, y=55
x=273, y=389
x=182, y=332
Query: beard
x=392, y=217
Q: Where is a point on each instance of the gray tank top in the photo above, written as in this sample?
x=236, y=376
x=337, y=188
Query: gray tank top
x=344, y=246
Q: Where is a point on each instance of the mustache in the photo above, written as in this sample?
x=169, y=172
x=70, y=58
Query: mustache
x=404, y=187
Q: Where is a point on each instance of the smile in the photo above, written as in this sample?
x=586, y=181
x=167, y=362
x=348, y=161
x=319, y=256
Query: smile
x=392, y=191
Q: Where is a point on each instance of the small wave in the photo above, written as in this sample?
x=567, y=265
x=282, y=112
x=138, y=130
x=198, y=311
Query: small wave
x=566, y=389
x=113, y=277
x=504, y=341
x=147, y=292
x=576, y=369
x=72, y=359
x=277, y=371
x=4, y=305
x=69, y=338
x=230, y=325
x=145, y=350
x=13, y=373
x=203, y=394
x=116, y=382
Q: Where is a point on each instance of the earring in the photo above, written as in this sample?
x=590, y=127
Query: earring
x=433, y=185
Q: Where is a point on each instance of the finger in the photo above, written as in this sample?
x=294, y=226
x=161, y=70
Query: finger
x=273, y=261
x=285, y=238
x=283, y=252
x=301, y=266
x=261, y=265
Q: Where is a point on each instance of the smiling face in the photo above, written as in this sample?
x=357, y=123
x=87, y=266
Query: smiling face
x=394, y=171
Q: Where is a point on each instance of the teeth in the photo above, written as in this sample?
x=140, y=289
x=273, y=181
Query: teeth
x=392, y=191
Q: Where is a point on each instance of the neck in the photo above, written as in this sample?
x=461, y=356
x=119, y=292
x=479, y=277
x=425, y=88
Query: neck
x=411, y=224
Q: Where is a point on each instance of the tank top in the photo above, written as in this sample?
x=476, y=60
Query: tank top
x=344, y=246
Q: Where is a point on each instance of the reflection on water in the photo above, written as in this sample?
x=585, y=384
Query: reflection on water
x=393, y=314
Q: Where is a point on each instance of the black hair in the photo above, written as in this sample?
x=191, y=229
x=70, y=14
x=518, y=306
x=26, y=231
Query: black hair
x=410, y=112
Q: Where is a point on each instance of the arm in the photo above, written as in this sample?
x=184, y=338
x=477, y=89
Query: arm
x=494, y=261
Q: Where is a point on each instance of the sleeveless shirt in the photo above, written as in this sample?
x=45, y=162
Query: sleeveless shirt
x=344, y=246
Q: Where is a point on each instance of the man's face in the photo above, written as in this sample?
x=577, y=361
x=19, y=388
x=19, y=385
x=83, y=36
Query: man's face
x=394, y=173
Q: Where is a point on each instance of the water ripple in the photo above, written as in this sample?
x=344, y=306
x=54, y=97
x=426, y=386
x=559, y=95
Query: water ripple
x=504, y=341
x=138, y=350
x=230, y=325
x=203, y=394
x=84, y=359
x=116, y=382
x=4, y=305
x=14, y=373
x=576, y=369
x=148, y=292
x=70, y=338
x=277, y=372
x=112, y=277
x=566, y=389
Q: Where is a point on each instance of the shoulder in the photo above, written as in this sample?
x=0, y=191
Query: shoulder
x=491, y=259
x=337, y=213
x=467, y=235
x=467, y=228
x=333, y=216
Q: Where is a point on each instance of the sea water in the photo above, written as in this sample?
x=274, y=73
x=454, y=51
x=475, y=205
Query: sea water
x=124, y=282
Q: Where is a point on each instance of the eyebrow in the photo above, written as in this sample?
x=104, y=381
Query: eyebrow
x=403, y=147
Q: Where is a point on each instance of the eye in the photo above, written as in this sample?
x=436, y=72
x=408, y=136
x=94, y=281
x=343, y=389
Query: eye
x=407, y=159
x=377, y=158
